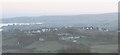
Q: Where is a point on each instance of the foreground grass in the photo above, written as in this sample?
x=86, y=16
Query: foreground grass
x=104, y=48
x=47, y=46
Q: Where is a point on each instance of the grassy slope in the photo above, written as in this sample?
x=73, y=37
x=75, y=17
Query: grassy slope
x=99, y=47
x=104, y=48
x=47, y=46
x=96, y=47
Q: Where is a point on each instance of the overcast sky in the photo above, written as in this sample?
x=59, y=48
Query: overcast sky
x=17, y=8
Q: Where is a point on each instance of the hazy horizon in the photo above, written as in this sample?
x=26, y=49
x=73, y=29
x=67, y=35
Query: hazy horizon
x=18, y=8
x=38, y=15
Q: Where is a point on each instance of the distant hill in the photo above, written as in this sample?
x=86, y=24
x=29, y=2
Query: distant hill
x=108, y=20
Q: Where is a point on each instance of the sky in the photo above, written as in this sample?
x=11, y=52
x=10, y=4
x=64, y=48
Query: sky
x=18, y=8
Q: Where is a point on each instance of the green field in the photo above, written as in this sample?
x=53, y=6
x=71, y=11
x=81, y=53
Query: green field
x=99, y=47
x=47, y=46
x=104, y=48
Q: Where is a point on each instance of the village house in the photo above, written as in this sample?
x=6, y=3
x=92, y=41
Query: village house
x=41, y=39
x=18, y=42
x=74, y=41
x=45, y=30
x=103, y=29
x=55, y=29
x=64, y=38
x=38, y=31
x=94, y=28
x=71, y=38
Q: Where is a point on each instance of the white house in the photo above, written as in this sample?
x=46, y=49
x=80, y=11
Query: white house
x=74, y=41
x=55, y=29
x=41, y=39
x=70, y=37
x=18, y=43
x=38, y=31
x=45, y=30
x=64, y=38
x=76, y=37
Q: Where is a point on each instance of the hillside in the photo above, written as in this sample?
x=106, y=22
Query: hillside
x=107, y=20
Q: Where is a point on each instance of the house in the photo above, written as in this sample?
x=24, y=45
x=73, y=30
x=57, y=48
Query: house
x=45, y=30
x=55, y=29
x=64, y=38
x=89, y=28
x=70, y=37
x=38, y=31
x=27, y=32
x=74, y=41
x=41, y=39
x=100, y=29
x=76, y=37
x=18, y=43
x=103, y=29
